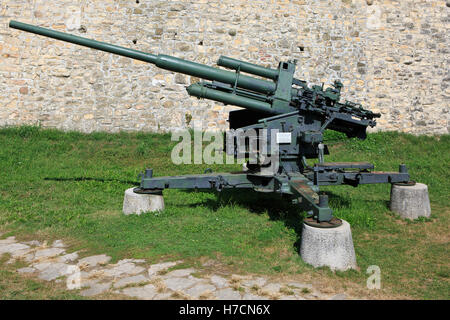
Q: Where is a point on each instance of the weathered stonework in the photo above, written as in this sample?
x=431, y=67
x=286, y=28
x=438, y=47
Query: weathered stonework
x=391, y=55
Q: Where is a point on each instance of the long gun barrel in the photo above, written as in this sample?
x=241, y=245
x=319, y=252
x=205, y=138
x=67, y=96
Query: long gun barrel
x=161, y=61
x=274, y=96
x=235, y=64
x=282, y=111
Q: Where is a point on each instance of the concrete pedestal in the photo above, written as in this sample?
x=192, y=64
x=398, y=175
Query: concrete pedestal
x=134, y=203
x=330, y=247
x=410, y=202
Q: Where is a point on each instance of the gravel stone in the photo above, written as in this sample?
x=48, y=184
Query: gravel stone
x=87, y=283
x=130, y=280
x=68, y=257
x=181, y=280
x=155, y=268
x=53, y=271
x=272, y=288
x=180, y=283
x=12, y=247
x=131, y=260
x=33, y=243
x=8, y=240
x=227, y=294
x=96, y=289
x=146, y=292
x=25, y=254
x=93, y=261
x=41, y=265
x=48, y=253
x=58, y=244
x=299, y=285
x=163, y=296
x=127, y=268
x=26, y=270
x=254, y=282
x=179, y=273
x=251, y=296
x=219, y=281
x=197, y=290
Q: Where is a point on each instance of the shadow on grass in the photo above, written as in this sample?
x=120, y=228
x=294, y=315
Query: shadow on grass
x=92, y=179
x=277, y=207
x=337, y=201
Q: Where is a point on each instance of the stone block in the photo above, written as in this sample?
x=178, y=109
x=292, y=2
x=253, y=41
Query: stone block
x=330, y=247
x=135, y=203
x=410, y=202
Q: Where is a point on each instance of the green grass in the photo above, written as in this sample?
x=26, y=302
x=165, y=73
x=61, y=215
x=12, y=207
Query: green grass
x=70, y=185
x=17, y=287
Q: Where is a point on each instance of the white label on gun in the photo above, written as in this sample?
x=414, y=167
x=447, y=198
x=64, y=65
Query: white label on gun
x=284, y=137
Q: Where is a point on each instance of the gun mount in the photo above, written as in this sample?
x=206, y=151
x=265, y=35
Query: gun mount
x=293, y=114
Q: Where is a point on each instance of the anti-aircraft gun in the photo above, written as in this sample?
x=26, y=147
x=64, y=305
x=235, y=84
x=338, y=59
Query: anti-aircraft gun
x=293, y=115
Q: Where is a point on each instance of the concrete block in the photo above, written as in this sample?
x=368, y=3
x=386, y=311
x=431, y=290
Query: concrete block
x=331, y=247
x=410, y=202
x=135, y=203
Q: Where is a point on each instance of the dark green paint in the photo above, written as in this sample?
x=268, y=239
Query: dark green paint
x=281, y=104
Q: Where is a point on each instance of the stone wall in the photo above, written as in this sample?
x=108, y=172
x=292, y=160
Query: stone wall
x=391, y=55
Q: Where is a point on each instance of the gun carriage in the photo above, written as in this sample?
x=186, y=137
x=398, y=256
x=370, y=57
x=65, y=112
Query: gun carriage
x=293, y=115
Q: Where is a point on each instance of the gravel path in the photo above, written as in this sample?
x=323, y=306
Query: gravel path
x=136, y=278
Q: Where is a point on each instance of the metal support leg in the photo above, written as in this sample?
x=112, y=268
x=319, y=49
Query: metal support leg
x=322, y=214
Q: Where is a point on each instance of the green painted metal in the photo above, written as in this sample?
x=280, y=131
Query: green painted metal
x=301, y=188
x=296, y=113
x=162, y=61
x=98, y=45
x=255, y=69
x=215, y=74
x=199, y=91
x=218, y=181
x=283, y=94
